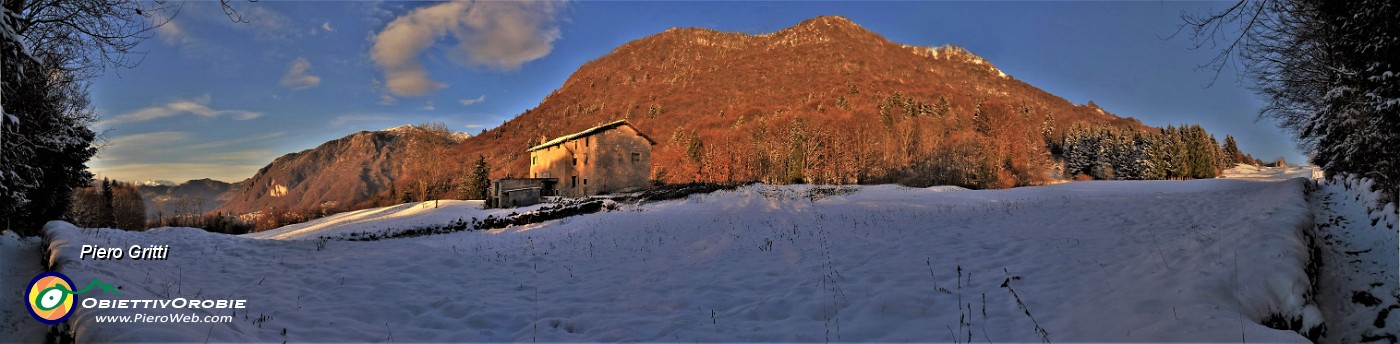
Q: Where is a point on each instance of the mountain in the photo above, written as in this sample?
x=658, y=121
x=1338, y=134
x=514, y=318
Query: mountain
x=823, y=101
x=191, y=197
x=344, y=173
x=153, y=182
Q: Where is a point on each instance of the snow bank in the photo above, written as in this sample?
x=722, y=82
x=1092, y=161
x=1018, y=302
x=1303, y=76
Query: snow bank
x=19, y=263
x=1365, y=194
x=1203, y=261
x=1359, y=248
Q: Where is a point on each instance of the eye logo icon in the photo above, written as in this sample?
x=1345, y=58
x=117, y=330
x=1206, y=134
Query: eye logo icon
x=50, y=298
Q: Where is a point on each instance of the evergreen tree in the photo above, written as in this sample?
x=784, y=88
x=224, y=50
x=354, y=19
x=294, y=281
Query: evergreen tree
x=1148, y=160
x=1102, y=166
x=51, y=49
x=1219, y=154
x=941, y=109
x=1201, y=150
x=980, y=121
x=1078, y=151
x=47, y=147
x=1174, y=153
x=106, y=214
x=1128, y=155
x=478, y=180
x=1232, y=152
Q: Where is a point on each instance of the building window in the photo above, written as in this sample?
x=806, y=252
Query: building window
x=585, y=160
x=585, y=181
x=575, y=161
x=585, y=141
x=573, y=181
x=533, y=159
x=636, y=157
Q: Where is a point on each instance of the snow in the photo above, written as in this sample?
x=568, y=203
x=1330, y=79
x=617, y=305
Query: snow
x=1203, y=260
x=1359, y=247
x=1246, y=171
x=457, y=136
x=399, y=217
x=399, y=129
x=153, y=182
x=19, y=263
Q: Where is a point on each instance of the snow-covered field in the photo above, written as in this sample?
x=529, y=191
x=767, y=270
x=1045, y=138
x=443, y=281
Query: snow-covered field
x=1205, y=260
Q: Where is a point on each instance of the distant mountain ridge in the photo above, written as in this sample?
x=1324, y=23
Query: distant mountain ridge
x=192, y=197
x=337, y=175
x=153, y=182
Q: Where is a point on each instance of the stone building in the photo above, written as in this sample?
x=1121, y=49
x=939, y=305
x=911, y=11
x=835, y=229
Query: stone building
x=604, y=159
x=519, y=192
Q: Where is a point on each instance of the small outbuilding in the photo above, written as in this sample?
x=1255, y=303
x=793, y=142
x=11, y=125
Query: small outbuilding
x=518, y=192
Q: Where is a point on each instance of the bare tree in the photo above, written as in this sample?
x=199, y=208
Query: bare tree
x=1327, y=72
x=86, y=35
x=427, y=160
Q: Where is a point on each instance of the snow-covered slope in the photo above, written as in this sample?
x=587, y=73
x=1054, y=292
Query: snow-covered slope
x=1202, y=261
x=398, y=217
x=1245, y=171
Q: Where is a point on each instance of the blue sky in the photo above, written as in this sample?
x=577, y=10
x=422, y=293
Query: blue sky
x=218, y=99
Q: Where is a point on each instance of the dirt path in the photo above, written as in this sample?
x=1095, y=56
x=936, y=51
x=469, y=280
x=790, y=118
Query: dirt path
x=19, y=263
x=1357, y=286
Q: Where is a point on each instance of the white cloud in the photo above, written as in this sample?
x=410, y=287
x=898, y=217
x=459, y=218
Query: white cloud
x=385, y=99
x=297, y=77
x=179, y=155
x=120, y=147
x=235, y=142
x=474, y=126
x=177, y=171
x=429, y=107
x=195, y=106
x=327, y=26
x=492, y=34
x=267, y=25
x=186, y=32
x=470, y=102
x=171, y=33
x=245, y=156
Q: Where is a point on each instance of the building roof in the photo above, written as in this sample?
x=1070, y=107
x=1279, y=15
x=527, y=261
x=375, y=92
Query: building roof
x=590, y=131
